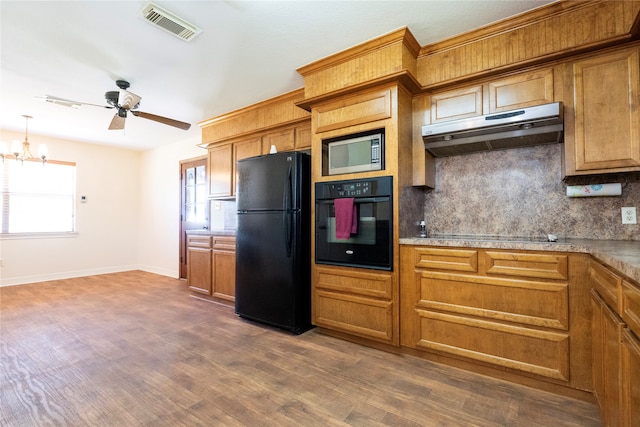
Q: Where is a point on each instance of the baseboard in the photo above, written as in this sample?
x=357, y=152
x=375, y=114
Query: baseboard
x=23, y=280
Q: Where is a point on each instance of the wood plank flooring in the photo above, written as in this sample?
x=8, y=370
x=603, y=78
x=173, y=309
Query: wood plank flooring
x=134, y=349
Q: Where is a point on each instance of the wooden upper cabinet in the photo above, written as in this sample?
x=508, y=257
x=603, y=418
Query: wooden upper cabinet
x=519, y=91
x=220, y=170
x=604, y=135
x=246, y=149
x=283, y=140
x=303, y=137
x=509, y=93
x=242, y=150
x=456, y=104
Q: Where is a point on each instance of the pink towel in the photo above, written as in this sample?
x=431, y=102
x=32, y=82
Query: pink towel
x=346, y=218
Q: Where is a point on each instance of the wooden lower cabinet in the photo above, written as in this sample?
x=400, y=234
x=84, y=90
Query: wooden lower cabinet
x=199, y=263
x=211, y=266
x=606, y=335
x=631, y=378
x=223, y=262
x=615, y=347
x=357, y=302
x=515, y=311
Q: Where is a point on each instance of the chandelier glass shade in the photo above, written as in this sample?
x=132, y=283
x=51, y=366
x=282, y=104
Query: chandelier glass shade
x=22, y=150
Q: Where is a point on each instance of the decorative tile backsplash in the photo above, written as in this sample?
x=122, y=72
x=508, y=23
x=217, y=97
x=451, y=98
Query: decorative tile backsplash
x=520, y=192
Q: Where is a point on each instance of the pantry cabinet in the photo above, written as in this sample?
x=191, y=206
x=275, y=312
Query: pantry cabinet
x=602, y=129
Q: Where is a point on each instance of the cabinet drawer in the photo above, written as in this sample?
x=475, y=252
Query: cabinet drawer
x=377, y=285
x=447, y=259
x=631, y=306
x=608, y=284
x=365, y=317
x=543, y=266
x=537, y=352
x=197, y=241
x=224, y=243
x=532, y=303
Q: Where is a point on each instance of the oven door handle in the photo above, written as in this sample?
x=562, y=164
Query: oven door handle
x=356, y=200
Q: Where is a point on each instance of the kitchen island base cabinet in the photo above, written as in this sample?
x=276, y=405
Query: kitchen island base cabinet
x=518, y=312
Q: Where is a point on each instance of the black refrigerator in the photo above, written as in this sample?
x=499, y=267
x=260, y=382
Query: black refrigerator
x=273, y=240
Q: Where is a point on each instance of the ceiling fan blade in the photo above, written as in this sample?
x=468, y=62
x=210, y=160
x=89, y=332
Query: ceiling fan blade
x=117, y=122
x=68, y=103
x=164, y=120
x=128, y=100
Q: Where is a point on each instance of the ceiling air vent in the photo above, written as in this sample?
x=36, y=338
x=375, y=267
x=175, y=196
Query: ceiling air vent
x=169, y=22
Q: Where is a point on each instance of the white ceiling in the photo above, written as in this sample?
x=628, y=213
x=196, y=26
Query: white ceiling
x=248, y=51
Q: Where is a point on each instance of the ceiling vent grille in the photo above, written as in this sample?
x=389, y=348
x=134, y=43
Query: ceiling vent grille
x=169, y=22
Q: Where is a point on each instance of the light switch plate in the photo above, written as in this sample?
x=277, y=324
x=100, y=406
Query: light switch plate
x=629, y=215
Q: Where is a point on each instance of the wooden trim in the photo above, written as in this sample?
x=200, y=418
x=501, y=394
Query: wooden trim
x=401, y=35
x=406, y=79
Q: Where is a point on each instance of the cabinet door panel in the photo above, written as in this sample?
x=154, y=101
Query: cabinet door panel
x=199, y=270
x=456, y=104
x=631, y=378
x=283, y=140
x=220, y=170
x=523, y=90
x=224, y=274
x=607, y=111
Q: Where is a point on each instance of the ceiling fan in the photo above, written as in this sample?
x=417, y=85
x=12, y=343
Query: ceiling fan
x=124, y=102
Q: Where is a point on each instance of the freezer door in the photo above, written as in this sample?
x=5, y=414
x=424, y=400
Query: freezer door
x=272, y=285
x=268, y=182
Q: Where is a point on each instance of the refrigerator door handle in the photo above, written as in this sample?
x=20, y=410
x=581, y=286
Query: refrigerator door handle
x=288, y=224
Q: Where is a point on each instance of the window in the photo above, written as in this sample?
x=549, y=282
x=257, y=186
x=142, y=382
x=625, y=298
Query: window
x=37, y=198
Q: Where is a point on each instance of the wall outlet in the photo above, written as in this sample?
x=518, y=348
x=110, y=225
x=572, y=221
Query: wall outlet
x=629, y=215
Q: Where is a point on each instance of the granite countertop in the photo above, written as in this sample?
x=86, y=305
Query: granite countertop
x=212, y=232
x=623, y=255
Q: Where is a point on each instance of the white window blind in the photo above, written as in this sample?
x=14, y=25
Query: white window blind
x=37, y=198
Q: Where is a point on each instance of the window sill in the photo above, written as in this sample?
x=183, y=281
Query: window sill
x=55, y=235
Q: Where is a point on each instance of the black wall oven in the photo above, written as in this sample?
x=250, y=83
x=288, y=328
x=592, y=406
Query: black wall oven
x=370, y=243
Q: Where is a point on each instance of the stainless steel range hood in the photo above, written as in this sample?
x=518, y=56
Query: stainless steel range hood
x=542, y=124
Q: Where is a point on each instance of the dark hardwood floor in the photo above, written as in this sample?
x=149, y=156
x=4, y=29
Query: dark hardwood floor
x=134, y=349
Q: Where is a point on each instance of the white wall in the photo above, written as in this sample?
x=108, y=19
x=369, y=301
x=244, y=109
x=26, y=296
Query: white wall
x=130, y=219
x=159, y=214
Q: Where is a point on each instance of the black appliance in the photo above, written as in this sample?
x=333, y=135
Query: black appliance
x=273, y=250
x=372, y=245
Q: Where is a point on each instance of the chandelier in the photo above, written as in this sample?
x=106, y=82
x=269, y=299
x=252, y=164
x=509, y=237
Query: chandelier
x=22, y=151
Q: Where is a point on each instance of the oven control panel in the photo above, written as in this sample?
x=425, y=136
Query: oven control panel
x=368, y=187
x=351, y=189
